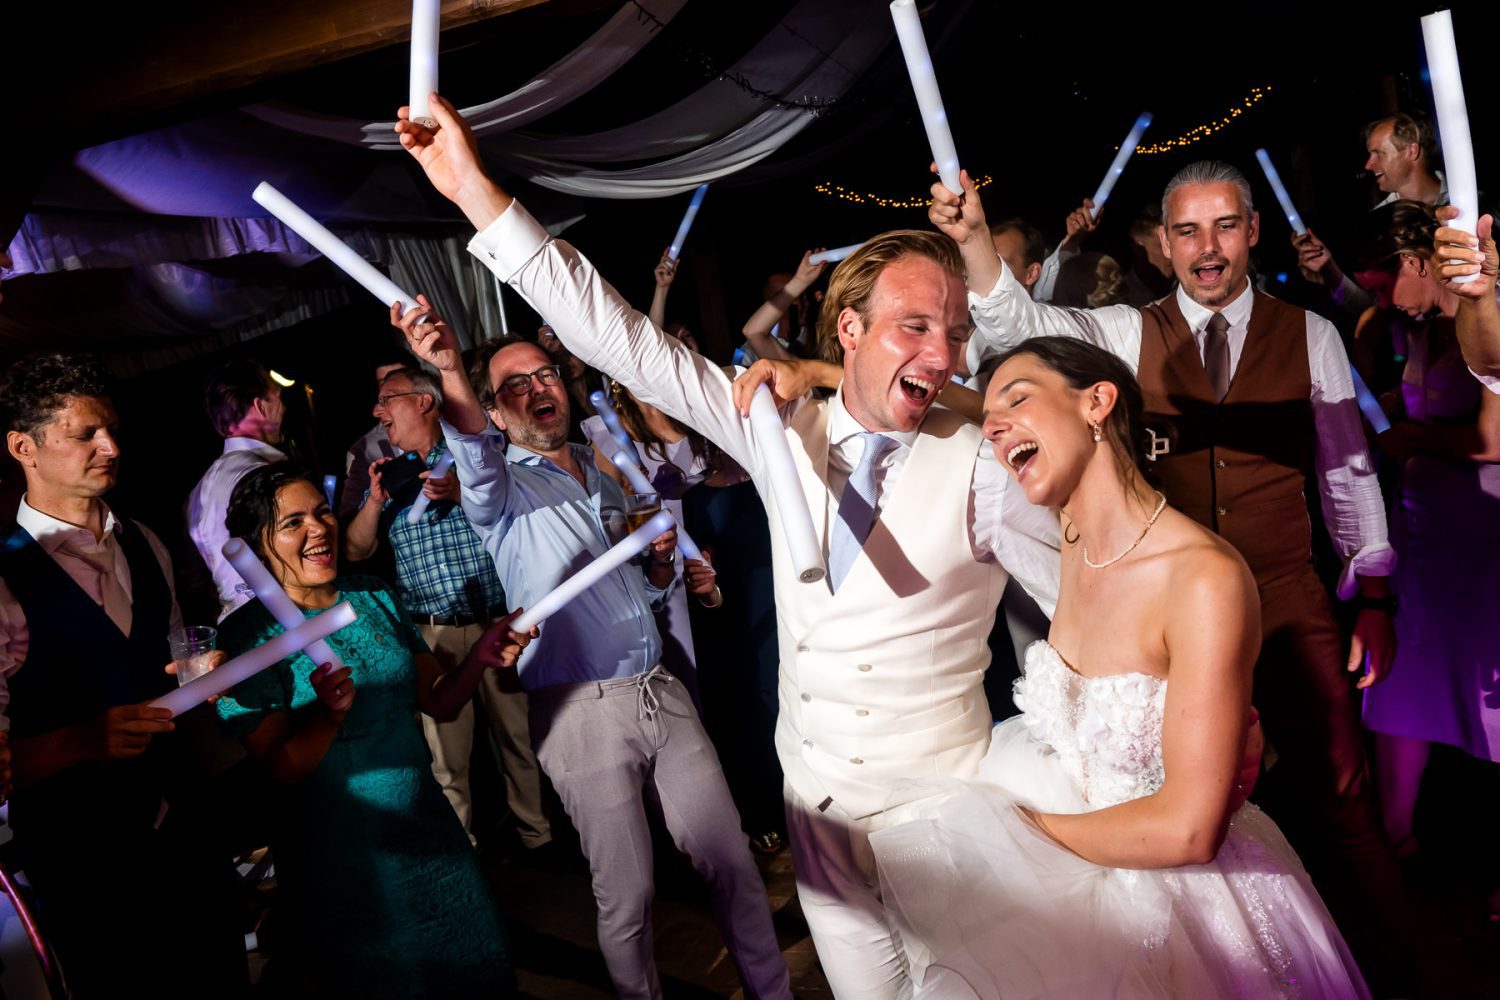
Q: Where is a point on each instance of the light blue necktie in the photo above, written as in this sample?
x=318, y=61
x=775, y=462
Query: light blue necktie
x=856, y=510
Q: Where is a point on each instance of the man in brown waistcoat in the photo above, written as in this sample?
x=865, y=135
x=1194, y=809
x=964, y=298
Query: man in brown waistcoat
x=1246, y=397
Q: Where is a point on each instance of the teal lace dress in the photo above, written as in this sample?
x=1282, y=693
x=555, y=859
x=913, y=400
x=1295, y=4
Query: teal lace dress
x=382, y=889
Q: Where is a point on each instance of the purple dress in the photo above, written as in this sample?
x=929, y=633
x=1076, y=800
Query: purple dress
x=1445, y=526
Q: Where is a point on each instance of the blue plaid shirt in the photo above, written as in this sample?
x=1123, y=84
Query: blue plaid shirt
x=440, y=560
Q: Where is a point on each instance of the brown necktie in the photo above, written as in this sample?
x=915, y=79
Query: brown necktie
x=1216, y=354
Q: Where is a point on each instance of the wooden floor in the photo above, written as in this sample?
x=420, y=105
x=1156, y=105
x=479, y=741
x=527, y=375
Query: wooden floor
x=556, y=949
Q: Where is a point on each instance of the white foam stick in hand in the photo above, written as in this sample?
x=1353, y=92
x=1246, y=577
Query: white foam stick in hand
x=612, y=424
x=621, y=553
x=786, y=488
x=331, y=246
x=308, y=632
x=675, y=250
x=1452, y=123
x=1292, y=218
x=287, y=614
x=1127, y=148
x=426, y=20
x=924, y=85
x=641, y=484
x=833, y=256
x=439, y=470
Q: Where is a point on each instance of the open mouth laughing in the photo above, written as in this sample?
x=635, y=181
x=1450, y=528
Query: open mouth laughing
x=918, y=391
x=1019, y=455
x=1210, y=272
x=320, y=554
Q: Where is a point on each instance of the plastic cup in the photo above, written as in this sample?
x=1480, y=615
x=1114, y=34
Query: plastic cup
x=192, y=649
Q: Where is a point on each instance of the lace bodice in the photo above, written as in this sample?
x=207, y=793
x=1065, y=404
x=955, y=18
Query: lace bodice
x=1107, y=730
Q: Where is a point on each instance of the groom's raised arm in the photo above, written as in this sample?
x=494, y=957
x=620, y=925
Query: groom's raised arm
x=1003, y=311
x=590, y=317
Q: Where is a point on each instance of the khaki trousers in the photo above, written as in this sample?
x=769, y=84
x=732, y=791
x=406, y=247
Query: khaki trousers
x=452, y=743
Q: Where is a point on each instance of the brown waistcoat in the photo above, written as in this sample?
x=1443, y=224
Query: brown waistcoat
x=1240, y=466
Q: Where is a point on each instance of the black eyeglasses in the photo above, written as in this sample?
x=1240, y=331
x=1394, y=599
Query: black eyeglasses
x=386, y=399
x=520, y=385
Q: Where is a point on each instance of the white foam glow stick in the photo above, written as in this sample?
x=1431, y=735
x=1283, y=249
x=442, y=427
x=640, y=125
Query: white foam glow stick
x=786, y=487
x=308, y=632
x=331, y=246
x=439, y=470
x=287, y=614
x=621, y=553
x=1127, y=148
x=426, y=18
x=1292, y=218
x=1367, y=404
x=675, y=250
x=834, y=256
x=330, y=486
x=641, y=484
x=1452, y=123
x=924, y=84
x=612, y=424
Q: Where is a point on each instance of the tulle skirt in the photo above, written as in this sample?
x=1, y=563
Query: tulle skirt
x=988, y=906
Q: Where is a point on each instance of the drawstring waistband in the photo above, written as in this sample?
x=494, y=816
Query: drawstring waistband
x=646, y=699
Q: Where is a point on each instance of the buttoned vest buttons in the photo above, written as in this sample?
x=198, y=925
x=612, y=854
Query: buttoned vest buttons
x=806, y=696
x=861, y=712
x=863, y=668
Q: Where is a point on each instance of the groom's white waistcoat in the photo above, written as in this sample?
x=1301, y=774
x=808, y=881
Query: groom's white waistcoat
x=881, y=682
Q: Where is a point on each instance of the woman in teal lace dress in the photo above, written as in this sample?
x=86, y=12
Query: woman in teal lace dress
x=376, y=874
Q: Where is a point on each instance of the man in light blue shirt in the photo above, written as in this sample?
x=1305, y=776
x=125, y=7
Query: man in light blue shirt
x=606, y=719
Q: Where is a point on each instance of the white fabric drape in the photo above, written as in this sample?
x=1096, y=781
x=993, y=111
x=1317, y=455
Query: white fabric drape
x=809, y=59
x=577, y=73
x=821, y=53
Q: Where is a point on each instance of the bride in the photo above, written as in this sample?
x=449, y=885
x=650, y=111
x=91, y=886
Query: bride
x=1095, y=854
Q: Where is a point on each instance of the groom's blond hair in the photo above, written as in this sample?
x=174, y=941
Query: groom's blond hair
x=853, y=281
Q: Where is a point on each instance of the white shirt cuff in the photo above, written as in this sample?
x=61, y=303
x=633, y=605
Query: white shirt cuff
x=1372, y=560
x=510, y=241
x=1490, y=382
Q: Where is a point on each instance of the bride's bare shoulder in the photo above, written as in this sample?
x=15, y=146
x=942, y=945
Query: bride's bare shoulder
x=1199, y=556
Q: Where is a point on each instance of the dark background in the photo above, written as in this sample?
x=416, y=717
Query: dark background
x=1038, y=99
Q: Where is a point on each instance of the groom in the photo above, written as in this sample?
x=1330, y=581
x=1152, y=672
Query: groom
x=881, y=666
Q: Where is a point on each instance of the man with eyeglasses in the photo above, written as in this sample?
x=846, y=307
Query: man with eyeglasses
x=449, y=587
x=607, y=721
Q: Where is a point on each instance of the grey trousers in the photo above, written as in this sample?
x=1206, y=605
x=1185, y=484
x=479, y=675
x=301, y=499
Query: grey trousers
x=452, y=743
x=607, y=745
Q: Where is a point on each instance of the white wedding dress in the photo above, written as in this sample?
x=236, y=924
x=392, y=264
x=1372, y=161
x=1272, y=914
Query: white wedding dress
x=988, y=906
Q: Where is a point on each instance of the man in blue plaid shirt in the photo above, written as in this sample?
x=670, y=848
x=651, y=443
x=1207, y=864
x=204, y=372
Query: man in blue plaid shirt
x=449, y=587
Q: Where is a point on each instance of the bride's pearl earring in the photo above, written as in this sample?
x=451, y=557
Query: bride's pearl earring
x=1098, y=435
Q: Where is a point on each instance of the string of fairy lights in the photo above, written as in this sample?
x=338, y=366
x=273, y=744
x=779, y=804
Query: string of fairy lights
x=1187, y=138
x=884, y=201
x=1192, y=135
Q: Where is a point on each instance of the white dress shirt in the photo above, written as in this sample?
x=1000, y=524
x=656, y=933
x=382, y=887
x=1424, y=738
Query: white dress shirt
x=209, y=502
x=1353, y=509
x=77, y=553
x=601, y=328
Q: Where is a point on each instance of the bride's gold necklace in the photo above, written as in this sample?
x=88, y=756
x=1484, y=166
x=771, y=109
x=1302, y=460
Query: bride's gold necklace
x=1139, y=538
